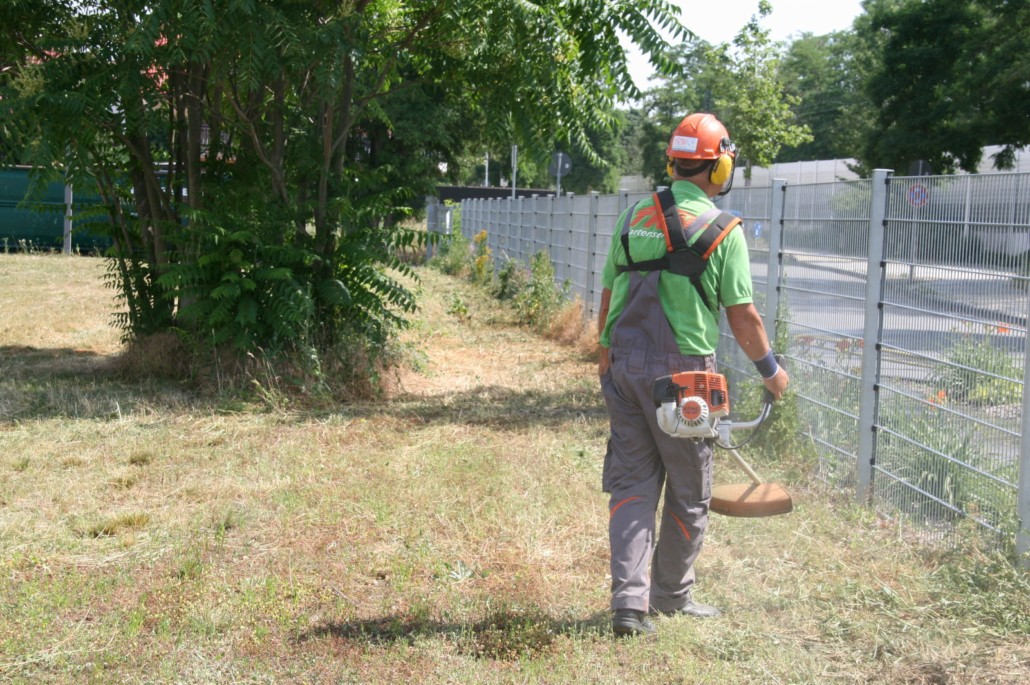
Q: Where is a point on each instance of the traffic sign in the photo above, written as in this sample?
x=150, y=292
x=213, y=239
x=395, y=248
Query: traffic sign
x=561, y=164
x=918, y=195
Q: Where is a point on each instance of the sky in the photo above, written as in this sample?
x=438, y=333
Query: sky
x=717, y=21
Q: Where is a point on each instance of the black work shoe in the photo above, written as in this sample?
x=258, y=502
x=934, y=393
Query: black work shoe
x=692, y=608
x=629, y=622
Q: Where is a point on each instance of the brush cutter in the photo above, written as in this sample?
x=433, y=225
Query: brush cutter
x=694, y=405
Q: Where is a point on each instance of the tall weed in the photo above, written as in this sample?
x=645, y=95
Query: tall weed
x=453, y=257
x=979, y=372
x=511, y=280
x=537, y=303
x=482, y=261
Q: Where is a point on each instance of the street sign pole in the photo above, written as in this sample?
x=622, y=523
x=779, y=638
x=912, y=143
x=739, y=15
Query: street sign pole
x=561, y=165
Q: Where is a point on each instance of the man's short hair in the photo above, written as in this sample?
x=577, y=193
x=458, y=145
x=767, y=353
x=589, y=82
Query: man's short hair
x=685, y=170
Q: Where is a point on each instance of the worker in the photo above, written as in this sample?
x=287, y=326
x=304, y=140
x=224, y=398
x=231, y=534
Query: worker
x=655, y=320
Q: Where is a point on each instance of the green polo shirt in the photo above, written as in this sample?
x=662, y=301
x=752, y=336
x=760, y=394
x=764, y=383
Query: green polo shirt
x=727, y=276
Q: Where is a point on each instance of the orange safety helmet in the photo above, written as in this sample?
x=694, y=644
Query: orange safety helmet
x=701, y=136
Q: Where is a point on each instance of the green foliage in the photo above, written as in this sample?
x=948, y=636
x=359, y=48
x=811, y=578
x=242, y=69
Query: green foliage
x=978, y=372
x=511, y=280
x=541, y=298
x=753, y=102
x=597, y=170
x=458, y=308
x=932, y=456
x=823, y=76
x=783, y=437
x=946, y=82
x=690, y=88
x=453, y=255
x=255, y=160
x=739, y=83
x=230, y=292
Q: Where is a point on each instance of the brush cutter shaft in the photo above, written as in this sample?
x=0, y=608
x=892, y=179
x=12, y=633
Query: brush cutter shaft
x=744, y=466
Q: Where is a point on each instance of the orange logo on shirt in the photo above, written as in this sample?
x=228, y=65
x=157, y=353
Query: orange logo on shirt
x=648, y=216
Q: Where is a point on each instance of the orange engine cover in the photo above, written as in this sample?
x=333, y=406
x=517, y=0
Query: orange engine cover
x=710, y=387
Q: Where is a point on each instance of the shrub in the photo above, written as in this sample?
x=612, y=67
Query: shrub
x=944, y=460
x=453, y=254
x=511, y=280
x=541, y=299
x=571, y=328
x=482, y=262
x=978, y=372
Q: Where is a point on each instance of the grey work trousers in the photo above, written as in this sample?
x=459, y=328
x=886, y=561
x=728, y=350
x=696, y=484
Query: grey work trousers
x=641, y=460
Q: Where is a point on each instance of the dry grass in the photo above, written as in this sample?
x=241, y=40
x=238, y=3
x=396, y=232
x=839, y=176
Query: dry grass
x=455, y=534
x=573, y=329
x=46, y=305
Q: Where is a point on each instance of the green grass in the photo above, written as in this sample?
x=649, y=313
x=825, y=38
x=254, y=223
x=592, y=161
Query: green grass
x=454, y=534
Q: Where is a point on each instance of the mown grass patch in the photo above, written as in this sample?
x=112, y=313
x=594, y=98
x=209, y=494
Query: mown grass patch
x=456, y=533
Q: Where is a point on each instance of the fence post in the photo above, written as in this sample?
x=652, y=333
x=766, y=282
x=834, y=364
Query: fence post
x=503, y=220
x=569, y=227
x=1023, y=496
x=588, y=266
x=516, y=234
x=535, y=228
x=67, y=218
x=866, y=457
x=552, y=215
x=775, y=269
x=432, y=207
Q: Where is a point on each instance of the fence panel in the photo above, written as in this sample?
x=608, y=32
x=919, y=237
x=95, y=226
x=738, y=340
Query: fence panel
x=579, y=228
x=953, y=350
x=752, y=205
x=824, y=246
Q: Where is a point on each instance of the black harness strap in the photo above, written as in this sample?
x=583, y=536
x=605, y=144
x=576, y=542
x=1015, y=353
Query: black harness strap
x=682, y=258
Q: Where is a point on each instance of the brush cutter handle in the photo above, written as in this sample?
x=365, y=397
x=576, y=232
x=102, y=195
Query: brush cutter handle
x=767, y=396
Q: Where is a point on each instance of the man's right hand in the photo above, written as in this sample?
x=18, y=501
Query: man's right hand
x=777, y=385
x=603, y=361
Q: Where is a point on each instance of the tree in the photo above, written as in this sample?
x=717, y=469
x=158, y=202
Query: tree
x=688, y=89
x=751, y=99
x=587, y=175
x=1004, y=79
x=739, y=83
x=254, y=154
x=951, y=78
x=822, y=73
x=598, y=170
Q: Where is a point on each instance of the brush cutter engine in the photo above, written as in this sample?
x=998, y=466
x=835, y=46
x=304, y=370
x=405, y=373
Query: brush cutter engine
x=695, y=405
x=690, y=404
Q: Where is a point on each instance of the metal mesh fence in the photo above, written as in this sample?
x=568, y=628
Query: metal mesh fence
x=954, y=301
x=902, y=306
x=822, y=287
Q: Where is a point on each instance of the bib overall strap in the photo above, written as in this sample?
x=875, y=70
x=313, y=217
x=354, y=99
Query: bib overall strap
x=682, y=257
